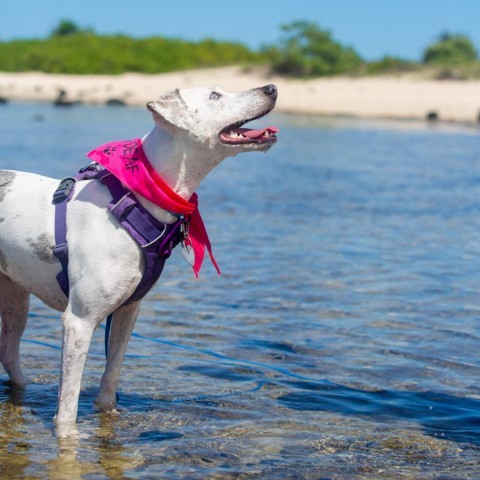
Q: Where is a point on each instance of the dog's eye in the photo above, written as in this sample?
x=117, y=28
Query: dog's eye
x=214, y=96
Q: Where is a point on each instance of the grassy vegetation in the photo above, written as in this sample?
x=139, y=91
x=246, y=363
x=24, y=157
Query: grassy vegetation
x=304, y=50
x=84, y=52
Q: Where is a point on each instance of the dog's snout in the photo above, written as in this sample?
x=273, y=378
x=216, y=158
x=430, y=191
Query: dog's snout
x=270, y=90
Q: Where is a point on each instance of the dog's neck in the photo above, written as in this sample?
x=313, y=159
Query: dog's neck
x=181, y=166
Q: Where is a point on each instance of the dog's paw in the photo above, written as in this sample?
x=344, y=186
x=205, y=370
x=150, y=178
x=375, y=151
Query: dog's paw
x=69, y=432
x=109, y=409
x=114, y=412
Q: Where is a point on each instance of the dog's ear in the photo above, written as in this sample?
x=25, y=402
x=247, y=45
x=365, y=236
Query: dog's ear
x=171, y=110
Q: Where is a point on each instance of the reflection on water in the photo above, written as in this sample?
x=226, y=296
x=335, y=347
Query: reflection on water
x=341, y=339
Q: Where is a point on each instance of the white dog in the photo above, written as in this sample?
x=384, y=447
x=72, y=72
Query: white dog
x=195, y=129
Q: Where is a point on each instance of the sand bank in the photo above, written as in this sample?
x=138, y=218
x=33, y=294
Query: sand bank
x=369, y=97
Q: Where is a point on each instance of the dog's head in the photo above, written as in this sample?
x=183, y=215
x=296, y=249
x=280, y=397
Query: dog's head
x=214, y=118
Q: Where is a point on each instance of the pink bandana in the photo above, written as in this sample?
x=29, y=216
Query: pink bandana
x=128, y=162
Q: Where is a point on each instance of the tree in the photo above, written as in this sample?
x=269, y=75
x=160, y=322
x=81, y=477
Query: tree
x=450, y=49
x=307, y=50
x=65, y=28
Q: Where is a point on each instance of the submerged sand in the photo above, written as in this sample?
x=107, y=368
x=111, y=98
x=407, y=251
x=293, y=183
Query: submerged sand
x=402, y=97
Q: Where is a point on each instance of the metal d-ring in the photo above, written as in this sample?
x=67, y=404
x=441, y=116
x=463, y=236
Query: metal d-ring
x=120, y=201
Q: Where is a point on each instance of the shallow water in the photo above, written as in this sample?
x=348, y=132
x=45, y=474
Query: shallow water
x=340, y=341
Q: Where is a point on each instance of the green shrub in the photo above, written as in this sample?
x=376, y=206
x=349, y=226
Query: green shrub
x=307, y=50
x=450, y=49
x=390, y=65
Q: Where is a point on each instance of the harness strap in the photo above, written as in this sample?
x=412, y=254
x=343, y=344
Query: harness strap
x=156, y=239
x=61, y=196
x=108, y=326
x=130, y=214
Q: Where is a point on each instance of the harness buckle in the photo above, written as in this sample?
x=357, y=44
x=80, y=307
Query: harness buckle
x=64, y=189
x=184, y=229
x=91, y=167
x=61, y=251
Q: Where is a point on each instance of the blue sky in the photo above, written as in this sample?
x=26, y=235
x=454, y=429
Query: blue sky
x=374, y=27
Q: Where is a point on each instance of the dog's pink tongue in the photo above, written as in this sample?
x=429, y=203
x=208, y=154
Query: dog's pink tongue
x=250, y=133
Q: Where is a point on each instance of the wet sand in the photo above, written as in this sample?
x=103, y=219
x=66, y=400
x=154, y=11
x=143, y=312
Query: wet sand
x=402, y=97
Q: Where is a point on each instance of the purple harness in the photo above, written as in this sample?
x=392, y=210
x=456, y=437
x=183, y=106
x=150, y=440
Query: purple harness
x=156, y=239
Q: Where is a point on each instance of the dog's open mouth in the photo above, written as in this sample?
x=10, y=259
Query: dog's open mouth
x=235, y=135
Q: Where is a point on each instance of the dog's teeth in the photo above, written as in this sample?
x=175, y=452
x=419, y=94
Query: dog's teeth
x=233, y=135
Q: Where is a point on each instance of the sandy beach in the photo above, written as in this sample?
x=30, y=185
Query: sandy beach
x=402, y=97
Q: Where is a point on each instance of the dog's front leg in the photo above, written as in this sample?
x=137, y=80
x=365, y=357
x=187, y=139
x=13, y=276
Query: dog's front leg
x=124, y=319
x=77, y=335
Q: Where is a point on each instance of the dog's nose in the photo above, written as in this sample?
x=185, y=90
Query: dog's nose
x=270, y=90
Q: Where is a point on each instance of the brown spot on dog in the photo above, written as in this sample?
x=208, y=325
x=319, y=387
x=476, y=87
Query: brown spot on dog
x=43, y=248
x=6, y=179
